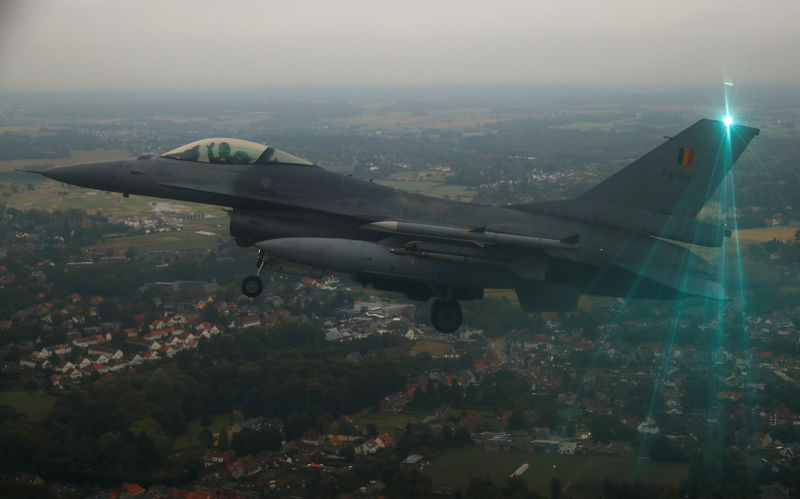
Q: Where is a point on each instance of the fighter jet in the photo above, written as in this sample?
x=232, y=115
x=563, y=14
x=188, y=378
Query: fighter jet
x=623, y=238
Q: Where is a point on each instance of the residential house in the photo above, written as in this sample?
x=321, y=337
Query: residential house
x=369, y=447
x=110, y=352
x=131, y=490
x=775, y=490
x=415, y=461
x=250, y=321
x=567, y=447
x=215, y=458
x=144, y=343
x=256, y=424
x=29, y=361
x=82, y=362
x=242, y=467
x=151, y=355
x=88, y=341
x=98, y=368
x=780, y=415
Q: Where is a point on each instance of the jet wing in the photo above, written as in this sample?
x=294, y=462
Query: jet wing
x=527, y=256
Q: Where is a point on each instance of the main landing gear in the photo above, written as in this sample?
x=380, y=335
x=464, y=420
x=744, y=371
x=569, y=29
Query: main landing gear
x=446, y=315
x=252, y=285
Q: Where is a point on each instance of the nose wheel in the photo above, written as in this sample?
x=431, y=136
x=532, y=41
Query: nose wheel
x=252, y=285
x=446, y=316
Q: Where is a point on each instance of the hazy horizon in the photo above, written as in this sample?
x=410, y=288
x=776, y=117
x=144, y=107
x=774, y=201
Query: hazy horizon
x=87, y=45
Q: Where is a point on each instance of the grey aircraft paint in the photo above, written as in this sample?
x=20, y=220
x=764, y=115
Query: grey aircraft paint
x=612, y=241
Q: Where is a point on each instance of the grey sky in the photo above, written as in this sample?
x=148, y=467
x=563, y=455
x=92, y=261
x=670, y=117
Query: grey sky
x=97, y=44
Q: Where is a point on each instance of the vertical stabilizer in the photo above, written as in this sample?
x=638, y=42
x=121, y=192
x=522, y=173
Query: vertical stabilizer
x=677, y=177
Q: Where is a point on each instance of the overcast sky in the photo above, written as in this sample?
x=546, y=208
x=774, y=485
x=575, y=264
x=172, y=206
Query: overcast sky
x=146, y=44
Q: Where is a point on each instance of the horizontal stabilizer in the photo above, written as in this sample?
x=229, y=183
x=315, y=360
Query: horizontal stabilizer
x=616, y=217
x=683, y=282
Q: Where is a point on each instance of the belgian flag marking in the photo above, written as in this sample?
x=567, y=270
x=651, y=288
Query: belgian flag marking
x=685, y=156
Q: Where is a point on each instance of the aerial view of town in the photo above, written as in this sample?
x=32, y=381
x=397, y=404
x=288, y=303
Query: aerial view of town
x=133, y=366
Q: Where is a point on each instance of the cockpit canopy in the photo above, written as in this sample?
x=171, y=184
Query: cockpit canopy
x=232, y=151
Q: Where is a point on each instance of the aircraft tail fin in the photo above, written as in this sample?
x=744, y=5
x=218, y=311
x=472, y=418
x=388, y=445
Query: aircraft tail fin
x=677, y=177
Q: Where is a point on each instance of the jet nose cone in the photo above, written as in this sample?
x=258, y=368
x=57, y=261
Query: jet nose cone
x=100, y=175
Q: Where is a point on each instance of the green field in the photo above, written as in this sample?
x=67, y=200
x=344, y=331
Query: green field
x=33, y=404
x=589, y=125
x=51, y=195
x=438, y=119
x=783, y=233
x=189, y=437
x=455, y=467
x=429, y=187
x=434, y=348
x=165, y=240
x=77, y=157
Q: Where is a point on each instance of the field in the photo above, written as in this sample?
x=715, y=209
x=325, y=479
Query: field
x=439, y=119
x=77, y=157
x=783, y=233
x=455, y=468
x=590, y=125
x=33, y=404
x=429, y=184
x=50, y=195
x=435, y=348
x=162, y=241
x=193, y=428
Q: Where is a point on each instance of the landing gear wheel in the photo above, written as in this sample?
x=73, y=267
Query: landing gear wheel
x=252, y=286
x=446, y=316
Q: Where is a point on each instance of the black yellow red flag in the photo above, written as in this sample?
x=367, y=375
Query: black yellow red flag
x=685, y=156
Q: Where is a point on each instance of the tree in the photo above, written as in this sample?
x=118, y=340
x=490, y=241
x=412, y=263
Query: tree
x=555, y=488
x=517, y=420
x=206, y=437
x=223, y=442
x=248, y=442
x=481, y=488
x=210, y=313
x=348, y=452
x=149, y=455
x=462, y=437
x=410, y=483
x=295, y=425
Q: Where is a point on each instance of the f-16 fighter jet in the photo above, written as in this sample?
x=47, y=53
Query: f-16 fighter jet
x=617, y=239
